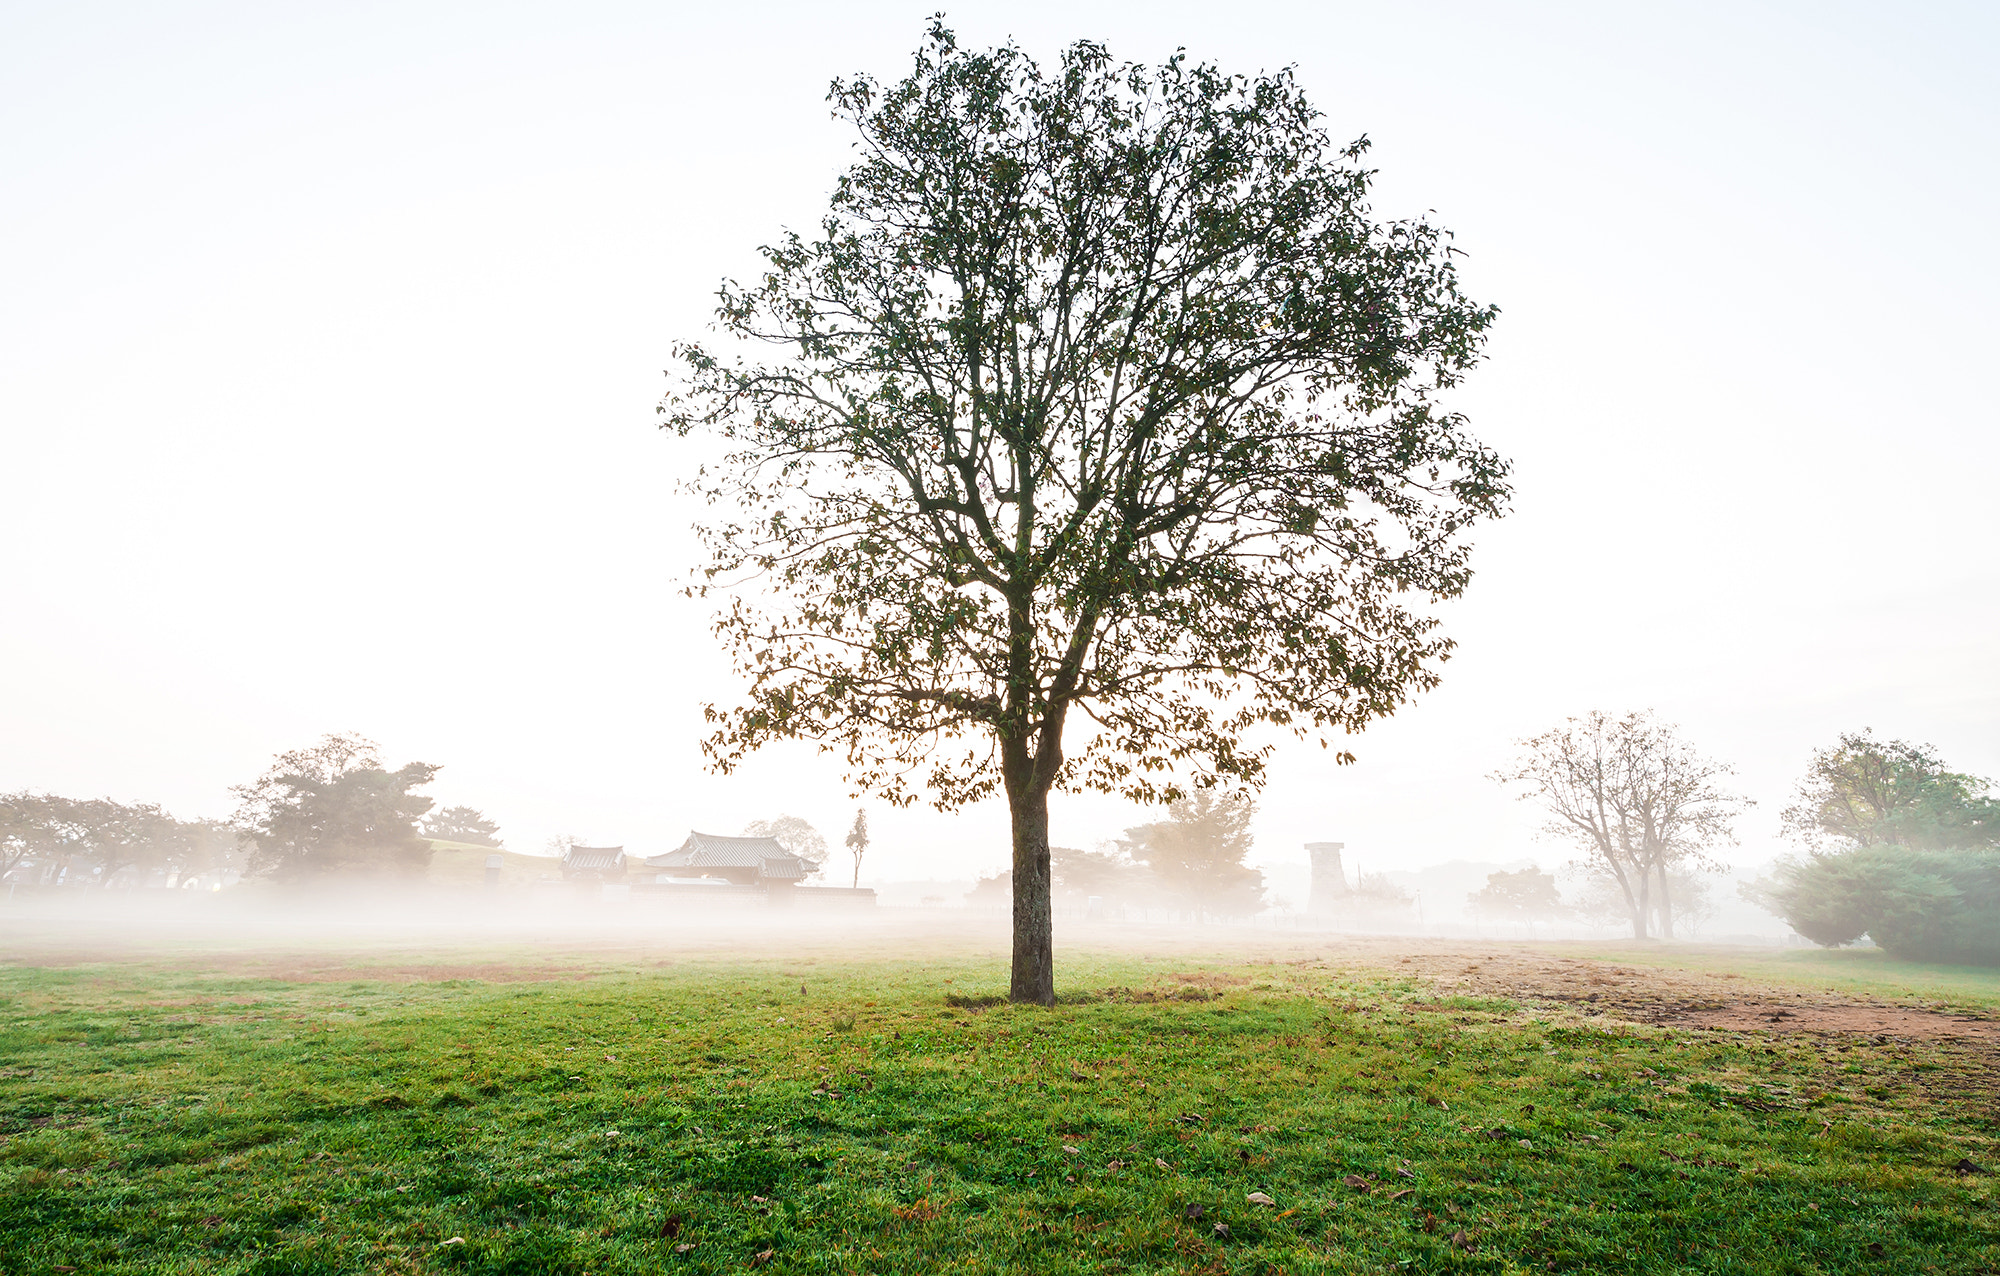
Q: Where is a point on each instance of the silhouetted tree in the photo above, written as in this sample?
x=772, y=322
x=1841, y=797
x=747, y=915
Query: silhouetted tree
x=1101, y=393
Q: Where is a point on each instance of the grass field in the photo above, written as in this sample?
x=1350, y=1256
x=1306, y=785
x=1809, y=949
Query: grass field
x=1304, y=1107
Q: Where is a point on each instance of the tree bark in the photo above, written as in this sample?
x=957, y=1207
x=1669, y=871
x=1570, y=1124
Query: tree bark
x=1034, y=978
x=1666, y=906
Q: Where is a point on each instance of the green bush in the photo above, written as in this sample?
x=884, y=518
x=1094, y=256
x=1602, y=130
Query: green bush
x=1920, y=905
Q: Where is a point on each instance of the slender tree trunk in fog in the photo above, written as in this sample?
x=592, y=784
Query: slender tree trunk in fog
x=1666, y=906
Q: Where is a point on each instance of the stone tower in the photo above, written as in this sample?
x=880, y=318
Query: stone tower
x=1329, y=877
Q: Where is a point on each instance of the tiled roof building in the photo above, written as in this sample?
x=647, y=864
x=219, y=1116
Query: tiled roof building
x=603, y=862
x=745, y=861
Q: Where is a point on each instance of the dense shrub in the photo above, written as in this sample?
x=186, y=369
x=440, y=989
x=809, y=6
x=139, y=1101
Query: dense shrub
x=1923, y=905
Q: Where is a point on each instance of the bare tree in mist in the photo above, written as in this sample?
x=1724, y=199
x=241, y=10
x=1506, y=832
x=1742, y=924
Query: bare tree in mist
x=335, y=809
x=1637, y=797
x=1099, y=393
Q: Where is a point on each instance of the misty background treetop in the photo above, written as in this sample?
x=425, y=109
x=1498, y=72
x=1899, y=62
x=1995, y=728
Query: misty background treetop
x=333, y=808
x=1099, y=389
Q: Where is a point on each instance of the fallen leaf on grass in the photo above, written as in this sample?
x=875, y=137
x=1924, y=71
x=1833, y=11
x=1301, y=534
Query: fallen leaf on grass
x=1405, y=1172
x=1162, y=1164
x=1459, y=1240
x=1258, y=1198
x=1222, y=1230
x=1397, y=1196
x=1193, y=1212
x=671, y=1228
x=683, y=1247
x=1356, y=1182
x=456, y=1240
x=1072, y=1151
x=762, y=1257
x=1965, y=1166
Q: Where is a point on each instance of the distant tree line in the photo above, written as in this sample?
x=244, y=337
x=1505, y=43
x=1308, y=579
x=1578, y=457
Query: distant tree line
x=326, y=811
x=1190, y=863
x=47, y=840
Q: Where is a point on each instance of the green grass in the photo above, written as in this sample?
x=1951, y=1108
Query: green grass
x=167, y=1120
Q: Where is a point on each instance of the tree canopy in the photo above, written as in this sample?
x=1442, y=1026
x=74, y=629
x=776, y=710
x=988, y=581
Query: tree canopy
x=97, y=841
x=334, y=808
x=1099, y=391
x=1868, y=792
x=1527, y=895
x=1196, y=855
x=462, y=824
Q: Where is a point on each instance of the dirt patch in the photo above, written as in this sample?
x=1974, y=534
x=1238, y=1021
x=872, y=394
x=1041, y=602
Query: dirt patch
x=1667, y=996
x=1836, y=1019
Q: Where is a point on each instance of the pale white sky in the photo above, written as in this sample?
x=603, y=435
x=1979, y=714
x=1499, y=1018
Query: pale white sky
x=330, y=336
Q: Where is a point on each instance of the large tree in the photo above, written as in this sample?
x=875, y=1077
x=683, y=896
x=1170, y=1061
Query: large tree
x=1101, y=393
x=1636, y=797
x=334, y=810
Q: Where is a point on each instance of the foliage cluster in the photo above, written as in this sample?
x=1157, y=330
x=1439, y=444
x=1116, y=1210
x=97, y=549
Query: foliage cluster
x=1902, y=850
x=461, y=824
x=709, y=1119
x=334, y=808
x=1527, y=895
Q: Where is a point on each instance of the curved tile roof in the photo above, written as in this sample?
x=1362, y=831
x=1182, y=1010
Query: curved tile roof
x=706, y=850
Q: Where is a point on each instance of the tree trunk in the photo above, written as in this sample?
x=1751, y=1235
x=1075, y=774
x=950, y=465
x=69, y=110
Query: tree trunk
x=1034, y=935
x=1666, y=906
